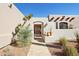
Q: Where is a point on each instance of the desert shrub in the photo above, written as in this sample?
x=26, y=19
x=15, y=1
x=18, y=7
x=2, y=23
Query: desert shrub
x=63, y=41
x=6, y=52
x=66, y=50
x=70, y=51
x=73, y=51
x=24, y=36
x=77, y=37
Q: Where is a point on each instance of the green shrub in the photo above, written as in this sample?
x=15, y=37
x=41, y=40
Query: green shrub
x=70, y=51
x=63, y=41
x=77, y=37
x=24, y=36
x=23, y=43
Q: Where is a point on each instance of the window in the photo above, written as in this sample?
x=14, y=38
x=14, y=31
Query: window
x=63, y=25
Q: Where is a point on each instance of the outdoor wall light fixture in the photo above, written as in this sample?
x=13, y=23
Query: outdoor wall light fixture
x=10, y=6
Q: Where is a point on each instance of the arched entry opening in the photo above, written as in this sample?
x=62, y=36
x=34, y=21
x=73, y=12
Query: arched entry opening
x=38, y=31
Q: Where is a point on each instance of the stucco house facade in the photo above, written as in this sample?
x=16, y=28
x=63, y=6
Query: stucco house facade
x=54, y=27
x=50, y=28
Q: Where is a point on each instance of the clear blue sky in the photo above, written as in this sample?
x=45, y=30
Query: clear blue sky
x=44, y=9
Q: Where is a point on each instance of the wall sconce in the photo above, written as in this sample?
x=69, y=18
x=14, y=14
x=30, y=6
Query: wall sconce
x=10, y=6
x=49, y=33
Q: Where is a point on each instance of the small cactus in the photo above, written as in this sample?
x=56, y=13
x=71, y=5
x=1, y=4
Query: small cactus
x=63, y=41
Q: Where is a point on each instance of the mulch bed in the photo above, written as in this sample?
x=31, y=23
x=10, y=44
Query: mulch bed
x=56, y=50
x=14, y=51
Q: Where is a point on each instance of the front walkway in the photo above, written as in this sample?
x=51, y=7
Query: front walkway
x=38, y=49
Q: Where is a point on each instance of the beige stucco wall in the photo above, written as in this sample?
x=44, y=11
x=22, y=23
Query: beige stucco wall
x=9, y=18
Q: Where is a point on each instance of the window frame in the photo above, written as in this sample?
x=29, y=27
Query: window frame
x=58, y=24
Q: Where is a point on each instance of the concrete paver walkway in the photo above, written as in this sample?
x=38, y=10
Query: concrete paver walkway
x=38, y=49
